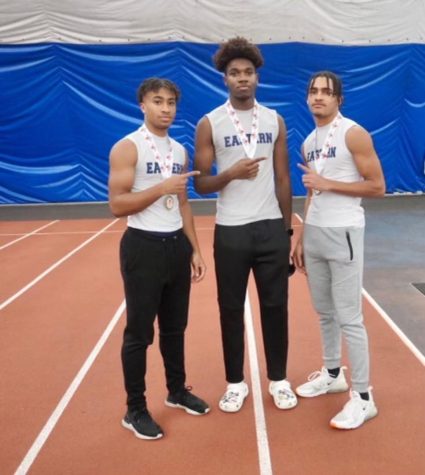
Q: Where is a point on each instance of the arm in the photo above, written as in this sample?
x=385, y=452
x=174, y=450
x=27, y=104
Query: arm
x=198, y=265
x=205, y=156
x=360, y=144
x=298, y=253
x=122, y=168
x=281, y=170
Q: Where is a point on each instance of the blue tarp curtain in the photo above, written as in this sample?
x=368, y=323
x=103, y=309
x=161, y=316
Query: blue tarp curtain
x=63, y=106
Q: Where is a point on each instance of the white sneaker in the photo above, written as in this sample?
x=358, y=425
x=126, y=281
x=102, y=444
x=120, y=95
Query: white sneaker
x=234, y=397
x=283, y=396
x=355, y=412
x=320, y=382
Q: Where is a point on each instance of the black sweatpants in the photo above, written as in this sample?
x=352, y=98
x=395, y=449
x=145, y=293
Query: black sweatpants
x=262, y=246
x=156, y=274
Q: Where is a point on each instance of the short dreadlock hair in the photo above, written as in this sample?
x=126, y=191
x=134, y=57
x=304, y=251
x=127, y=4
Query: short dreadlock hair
x=236, y=48
x=330, y=78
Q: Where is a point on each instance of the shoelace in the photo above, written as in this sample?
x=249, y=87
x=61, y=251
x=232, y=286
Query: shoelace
x=314, y=375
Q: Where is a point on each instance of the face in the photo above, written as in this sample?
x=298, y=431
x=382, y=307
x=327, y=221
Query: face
x=241, y=79
x=321, y=100
x=159, y=108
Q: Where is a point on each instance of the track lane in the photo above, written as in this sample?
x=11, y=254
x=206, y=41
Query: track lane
x=27, y=260
x=45, y=334
x=191, y=443
x=89, y=439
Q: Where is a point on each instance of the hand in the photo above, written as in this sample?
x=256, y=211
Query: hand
x=312, y=180
x=292, y=267
x=298, y=257
x=198, y=267
x=246, y=168
x=177, y=183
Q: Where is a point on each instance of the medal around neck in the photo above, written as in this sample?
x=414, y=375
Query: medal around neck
x=319, y=163
x=249, y=144
x=165, y=163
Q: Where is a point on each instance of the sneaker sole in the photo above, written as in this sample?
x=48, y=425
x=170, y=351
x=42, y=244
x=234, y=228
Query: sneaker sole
x=286, y=408
x=371, y=416
x=128, y=426
x=189, y=411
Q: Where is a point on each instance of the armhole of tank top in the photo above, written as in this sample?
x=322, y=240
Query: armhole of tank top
x=134, y=142
x=186, y=159
x=209, y=119
x=349, y=126
x=277, y=124
x=276, y=120
x=181, y=150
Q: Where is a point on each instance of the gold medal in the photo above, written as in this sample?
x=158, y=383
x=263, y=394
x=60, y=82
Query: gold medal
x=169, y=202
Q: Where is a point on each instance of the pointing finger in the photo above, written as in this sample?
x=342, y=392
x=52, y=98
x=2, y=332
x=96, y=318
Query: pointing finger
x=189, y=174
x=304, y=168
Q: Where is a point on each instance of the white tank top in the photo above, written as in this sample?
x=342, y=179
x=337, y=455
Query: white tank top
x=245, y=201
x=156, y=217
x=329, y=209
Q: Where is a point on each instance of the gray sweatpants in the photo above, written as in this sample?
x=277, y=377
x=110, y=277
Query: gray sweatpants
x=334, y=264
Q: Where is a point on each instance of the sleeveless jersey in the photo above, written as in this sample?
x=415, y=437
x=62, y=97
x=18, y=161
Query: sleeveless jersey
x=245, y=201
x=155, y=217
x=329, y=209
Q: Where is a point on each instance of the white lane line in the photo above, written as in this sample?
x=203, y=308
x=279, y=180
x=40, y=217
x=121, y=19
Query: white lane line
x=260, y=421
x=52, y=267
x=77, y=233
x=64, y=233
x=60, y=408
x=394, y=327
x=28, y=234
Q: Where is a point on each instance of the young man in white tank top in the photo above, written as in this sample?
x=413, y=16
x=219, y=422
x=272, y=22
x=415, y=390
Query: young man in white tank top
x=158, y=253
x=247, y=143
x=341, y=167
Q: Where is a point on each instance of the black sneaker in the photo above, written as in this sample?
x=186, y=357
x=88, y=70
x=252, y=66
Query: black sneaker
x=184, y=399
x=142, y=424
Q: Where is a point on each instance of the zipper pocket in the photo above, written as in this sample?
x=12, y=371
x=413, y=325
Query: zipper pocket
x=350, y=246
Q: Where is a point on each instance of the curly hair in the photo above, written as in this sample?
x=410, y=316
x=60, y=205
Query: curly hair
x=155, y=84
x=236, y=48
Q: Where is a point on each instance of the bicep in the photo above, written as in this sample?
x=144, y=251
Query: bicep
x=360, y=144
x=204, y=147
x=122, y=161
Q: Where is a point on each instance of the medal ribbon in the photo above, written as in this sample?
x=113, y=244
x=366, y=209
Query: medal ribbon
x=165, y=163
x=250, y=144
x=319, y=163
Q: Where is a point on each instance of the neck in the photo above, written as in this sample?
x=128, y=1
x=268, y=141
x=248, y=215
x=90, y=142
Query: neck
x=155, y=130
x=322, y=121
x=242, y=104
